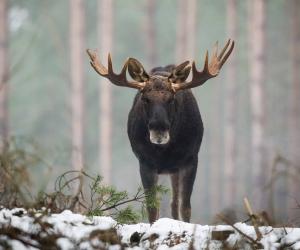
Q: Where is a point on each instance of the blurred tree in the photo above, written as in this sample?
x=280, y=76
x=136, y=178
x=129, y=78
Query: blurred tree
x=294, y=114
x=150, y=32
x=77, y=59
x=257, y=96
x=191, y=29
x=186, y=30
x=214, y=166
x=4, y=72
x=180, y=30
x=105, y=38
x=230, y=110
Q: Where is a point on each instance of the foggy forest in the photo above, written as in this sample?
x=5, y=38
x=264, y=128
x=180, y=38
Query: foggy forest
x=58, y=115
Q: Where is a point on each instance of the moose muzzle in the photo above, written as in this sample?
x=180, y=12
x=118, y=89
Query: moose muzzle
x=159, y=137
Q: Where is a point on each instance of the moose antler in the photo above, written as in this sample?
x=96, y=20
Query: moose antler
x=210, y=70
x=117, y=79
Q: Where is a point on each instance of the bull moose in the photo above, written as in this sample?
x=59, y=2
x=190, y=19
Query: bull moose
x=164, y=127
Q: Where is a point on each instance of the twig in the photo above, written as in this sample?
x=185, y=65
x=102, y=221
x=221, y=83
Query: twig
x=191, y=244
x=75, y=197
x=253, y=218
x=254, y=242
x=276, y=173
x=58, y=182
x=136, y=198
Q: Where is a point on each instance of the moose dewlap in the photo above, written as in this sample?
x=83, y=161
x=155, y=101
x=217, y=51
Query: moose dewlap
x=164, y=126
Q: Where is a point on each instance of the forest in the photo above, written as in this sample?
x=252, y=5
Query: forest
x=58, y=115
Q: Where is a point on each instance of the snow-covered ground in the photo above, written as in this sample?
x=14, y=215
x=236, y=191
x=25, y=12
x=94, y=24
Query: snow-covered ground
x=21, y=229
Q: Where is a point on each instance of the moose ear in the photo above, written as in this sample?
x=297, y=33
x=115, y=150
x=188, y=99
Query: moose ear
x=137, y=71
x=180, y=73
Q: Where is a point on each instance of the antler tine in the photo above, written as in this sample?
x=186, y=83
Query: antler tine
x=117, y=79
x=227, y=54
x=96, y=64
x=197, y=74
x=109, y=65
x=224, y=49
x=205, y=63
x=215, y=53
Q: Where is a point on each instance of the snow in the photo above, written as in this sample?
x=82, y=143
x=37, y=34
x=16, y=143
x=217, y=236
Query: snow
x=77, y=226
x=76, y=231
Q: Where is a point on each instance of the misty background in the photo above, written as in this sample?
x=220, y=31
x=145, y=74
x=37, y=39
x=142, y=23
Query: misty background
x=53, y=102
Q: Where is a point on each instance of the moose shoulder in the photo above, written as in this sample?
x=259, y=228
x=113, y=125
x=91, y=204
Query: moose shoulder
x=164, y=125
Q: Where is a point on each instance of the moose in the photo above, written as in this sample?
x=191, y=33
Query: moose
x=164, y=126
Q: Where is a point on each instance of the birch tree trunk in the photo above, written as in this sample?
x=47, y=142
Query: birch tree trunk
x=105, y=37
x=191, y=30
x=230, y=111
x=77, y=60
x=257, y=95
x=186, y=30
x=150, y=33
x=4, y=72
x=294, y=114
x=180, y=31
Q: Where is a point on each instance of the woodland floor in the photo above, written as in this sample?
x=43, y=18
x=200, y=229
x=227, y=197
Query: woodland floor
x=22, y=229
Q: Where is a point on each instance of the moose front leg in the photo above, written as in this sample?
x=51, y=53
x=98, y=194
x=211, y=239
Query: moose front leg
x=175, y=195
x=149, y=181
x=187, y=181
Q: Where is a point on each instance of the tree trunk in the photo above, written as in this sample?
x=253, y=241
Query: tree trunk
x=191, y=29
x=230, y=111
x=77, y=60
x=150, y=33
x=186, y=30
x=180, y=30
x=294, y=114
x=4, y=72
x=257, y=71
x=105, y=34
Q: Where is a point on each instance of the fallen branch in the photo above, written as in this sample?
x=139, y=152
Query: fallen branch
x=253, y=218
x=255, y=243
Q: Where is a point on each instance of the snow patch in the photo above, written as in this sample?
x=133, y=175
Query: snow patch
x=75, y=231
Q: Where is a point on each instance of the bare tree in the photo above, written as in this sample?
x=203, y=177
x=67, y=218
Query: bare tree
x=150, y=33
x=257, y=95
x=294, y=114
x=186, y=30
x=191, y=29
x=77, y=59
x=4, y=72
x=180, y=31
x=230, y=110
x=105, y=34
x=214, y=135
